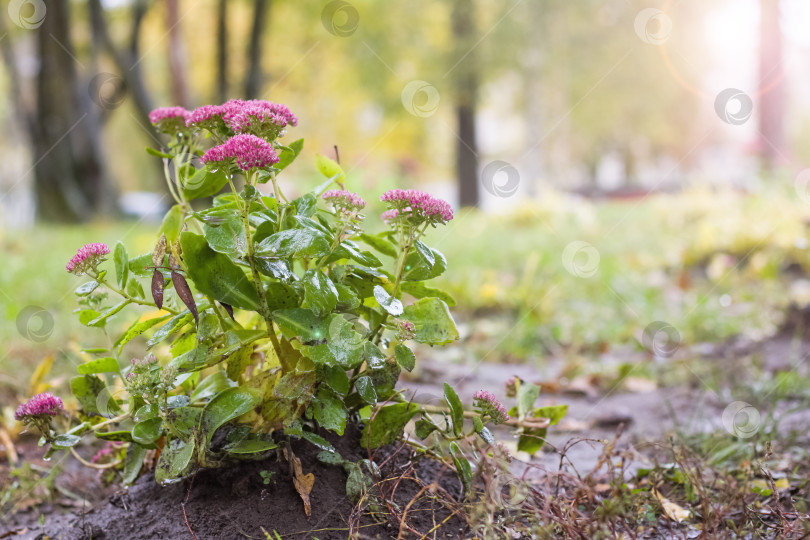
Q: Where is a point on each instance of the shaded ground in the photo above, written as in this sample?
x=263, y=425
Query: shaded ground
x=672, y=431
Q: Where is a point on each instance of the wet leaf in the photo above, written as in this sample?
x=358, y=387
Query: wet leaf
x=138, y=328
x=225, y=406
x=295, y=243
x=174, y=461
x=405, y=357
x=386, y=426
x=329, y=411
x=320, y=294
x=390, y=304
x=121, y=264
x=289, y=153
x=133, y=463
x=456, y=409
x=99, y=365
x=420, y=290
x=432, y=320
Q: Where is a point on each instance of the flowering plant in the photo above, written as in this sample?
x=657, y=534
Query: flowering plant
x=270, y=318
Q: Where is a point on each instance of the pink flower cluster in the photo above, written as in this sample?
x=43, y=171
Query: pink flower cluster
x=105, y=453
x=490, y=406
x=254, y=116
x=86, y=258
x=419, y=204
x=249, y=152
x=389, y=215
x=342, y=199
x=44, y=404
x=171, y=120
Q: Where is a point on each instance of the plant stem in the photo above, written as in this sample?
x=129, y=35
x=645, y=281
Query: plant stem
x=93, y=465
x=132, y=299
x=257, y=279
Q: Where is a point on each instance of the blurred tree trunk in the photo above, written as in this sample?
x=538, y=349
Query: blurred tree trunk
x=222, y=51
x=128, y=62
x=70, y=182
x=772, y=95
x=466, y=91
x=177, y=72
x=253, y=77
x=535, y=89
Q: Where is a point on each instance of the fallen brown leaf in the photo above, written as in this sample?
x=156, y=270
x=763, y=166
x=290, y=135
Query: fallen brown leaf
x=303, y=482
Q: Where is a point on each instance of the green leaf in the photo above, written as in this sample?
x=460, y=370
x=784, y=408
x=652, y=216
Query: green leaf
x=174, y=324
x=64, y=441
x=137, y=329
x=211, y=386
x=148, y=431
x=101, y=320
x=215, y=275
x=329, y=168
x=182, y=422
x=86, y=389
x=463, y=467
x=157, y=153
x=380, y=243
x=121, y=264
x=250, y=446
x=433, y=322
x=347, y=299
x=456, y=409
x=86, y=288
x=365, y=387
x=134, y=288
x=147, y=412
x=318, y=441
x=239, y=361
x=485, y=434
x=335, y=377
x=320, y=294
x=424, y=263
x=386, y=426
x=405, y=357
x=288, y=155
x=174, y=461
x=121, y=436
x=343, y=345
x=390, y=304
x=329, y=411
x=424, y=428
x=527, y=395
x=139, y=265
x=133, y=463
x=99, y=365
x=302, y=324
x=554, y=413
x=227, y=237
x=172, y=223
x=305, y=205
x=419, y=290
x=349, y=250
x=532, y=440
x=227, y=405
x=296, y=243
x=204, y=183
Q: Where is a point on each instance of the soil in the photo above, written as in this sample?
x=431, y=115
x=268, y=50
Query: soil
x=240, y=501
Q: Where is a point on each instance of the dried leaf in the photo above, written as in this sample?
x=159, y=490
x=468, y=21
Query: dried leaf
x=229, y=309
x=673, y=511
x=157, y=288
x=184, y=292
x=303, y=482
x=159, y=251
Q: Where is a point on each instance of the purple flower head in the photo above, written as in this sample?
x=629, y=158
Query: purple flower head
x=342, y=199
x=259, y=117
x=405, y=329
x=249, y=152
x=490, y=406
x=418, y=205
x=109, y=449
x=171, y=120
x=39, y=406
x=89, y=256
